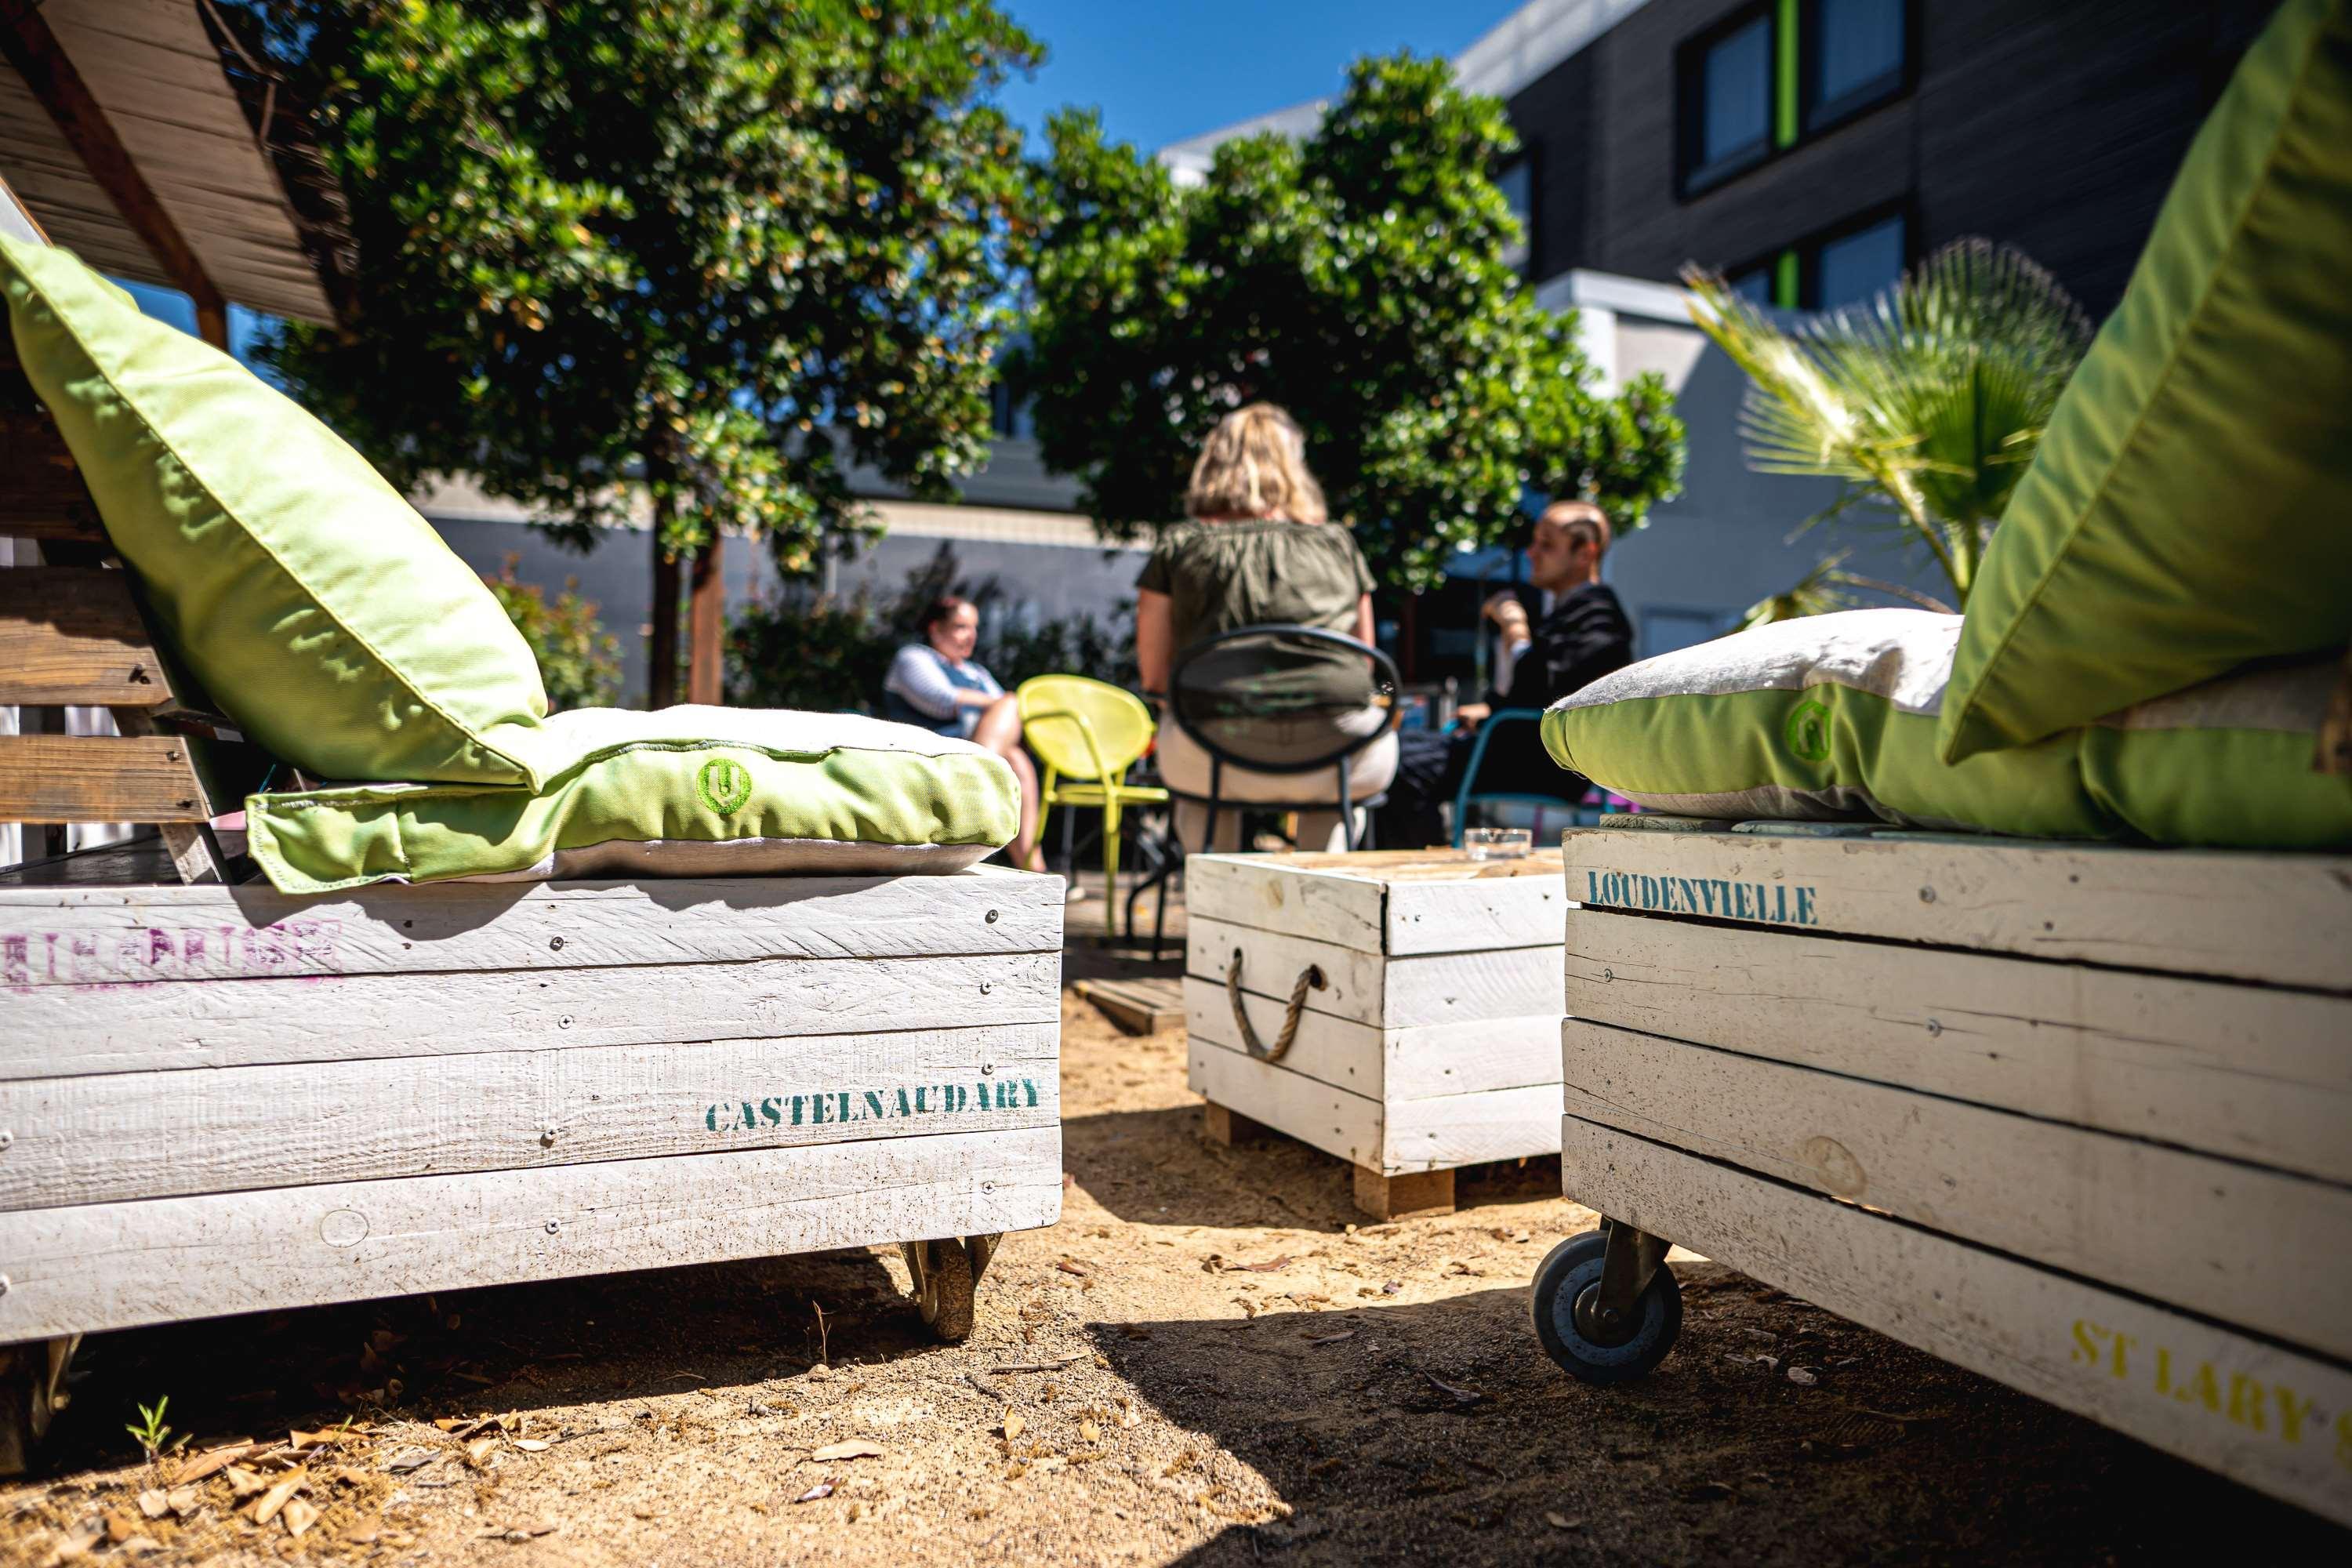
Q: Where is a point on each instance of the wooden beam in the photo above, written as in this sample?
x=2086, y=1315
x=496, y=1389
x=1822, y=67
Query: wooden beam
x=99, y=778
x=44, y=497
x=71, y=637
x=30, y=45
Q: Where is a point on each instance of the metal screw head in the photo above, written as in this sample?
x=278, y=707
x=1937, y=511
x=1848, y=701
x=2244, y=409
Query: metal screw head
x=547, y=1134
x=554, y=1225
x=556, y=944
x=1934, y=1028
x=986, y=986
x=986, y=1068
x=7, y=1139
x=564, y=1022
x=1608, y=974
x=1926, y=895
x=4, y=1284
x=991, y=917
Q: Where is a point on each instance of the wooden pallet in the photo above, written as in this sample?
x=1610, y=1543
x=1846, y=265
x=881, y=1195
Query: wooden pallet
x=2077, y=1118
x=1434, y=1043
x=223, y=1100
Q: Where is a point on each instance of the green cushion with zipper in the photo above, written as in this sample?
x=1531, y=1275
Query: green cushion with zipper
x=320, y=611
x=2189, y=507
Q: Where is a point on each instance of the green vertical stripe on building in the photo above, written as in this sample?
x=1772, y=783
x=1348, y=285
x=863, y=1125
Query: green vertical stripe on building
x=1784, y=74
x=1784, y=281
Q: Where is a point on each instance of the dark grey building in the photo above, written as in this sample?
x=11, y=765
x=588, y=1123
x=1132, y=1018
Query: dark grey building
x=1811, y=149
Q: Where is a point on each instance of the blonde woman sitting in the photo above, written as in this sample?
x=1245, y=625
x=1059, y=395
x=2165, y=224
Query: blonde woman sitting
x=1258, y=550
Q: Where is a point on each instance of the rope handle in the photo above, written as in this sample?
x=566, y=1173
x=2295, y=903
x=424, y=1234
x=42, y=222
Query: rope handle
x=1310, y=979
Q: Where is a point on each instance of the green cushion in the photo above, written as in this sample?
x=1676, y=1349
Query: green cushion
x=2226, y=764
x=2191, y=505
x=319, y=610
x=682, y=792
x=1825, y=719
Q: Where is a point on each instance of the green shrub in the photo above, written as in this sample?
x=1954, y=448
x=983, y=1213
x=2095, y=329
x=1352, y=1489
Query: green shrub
x=579, y=661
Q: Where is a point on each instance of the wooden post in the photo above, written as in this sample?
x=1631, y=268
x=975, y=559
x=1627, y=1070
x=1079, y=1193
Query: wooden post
x=706, y=622
x=1230, y=1126
x=1406, y=1196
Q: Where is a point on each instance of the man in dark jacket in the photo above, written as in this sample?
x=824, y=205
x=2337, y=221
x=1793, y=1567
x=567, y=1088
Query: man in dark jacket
x=1575, y=633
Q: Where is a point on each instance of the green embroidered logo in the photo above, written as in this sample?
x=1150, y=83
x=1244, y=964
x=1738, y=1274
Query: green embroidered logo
x=1809, y=733
x=724, y=784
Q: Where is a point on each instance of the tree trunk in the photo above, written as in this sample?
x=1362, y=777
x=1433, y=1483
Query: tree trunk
x=707, y=617
x=661, y=651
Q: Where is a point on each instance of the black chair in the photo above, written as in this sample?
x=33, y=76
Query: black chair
x=1265, y=698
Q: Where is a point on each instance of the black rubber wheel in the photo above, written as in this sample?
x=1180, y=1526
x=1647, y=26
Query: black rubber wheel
x=1567, y=1272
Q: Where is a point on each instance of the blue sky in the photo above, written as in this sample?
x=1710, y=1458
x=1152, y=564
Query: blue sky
x=1162, y=71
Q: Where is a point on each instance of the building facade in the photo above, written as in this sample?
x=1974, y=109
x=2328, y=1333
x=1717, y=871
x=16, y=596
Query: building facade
x=1813, y=148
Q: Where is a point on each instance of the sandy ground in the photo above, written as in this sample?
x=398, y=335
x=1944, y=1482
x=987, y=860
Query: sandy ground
x=1232, y=1376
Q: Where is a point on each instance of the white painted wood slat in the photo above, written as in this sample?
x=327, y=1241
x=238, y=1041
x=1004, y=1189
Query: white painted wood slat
x=50, y=1031
x=2232, y=1241
x=1416, y=1063
x=111, y=936
x=1388, y=994
x=2261, y=1074
x=2269, y=1417
x=128, y=1136
x=107, y=1266
x=2281, y=919
x=1399, y=902
x=1441, y=1132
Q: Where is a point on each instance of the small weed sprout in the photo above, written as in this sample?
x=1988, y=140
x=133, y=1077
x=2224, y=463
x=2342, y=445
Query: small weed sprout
x=823, y=1338
x=151, y=1435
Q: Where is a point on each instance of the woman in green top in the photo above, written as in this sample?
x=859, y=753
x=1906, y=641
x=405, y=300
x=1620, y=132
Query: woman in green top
x=1258, y=550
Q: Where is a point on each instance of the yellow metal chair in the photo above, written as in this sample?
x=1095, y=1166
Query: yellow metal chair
x=1088, y=733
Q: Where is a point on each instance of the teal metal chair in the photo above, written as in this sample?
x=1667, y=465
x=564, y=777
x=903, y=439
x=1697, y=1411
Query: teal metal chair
x=1584, y=812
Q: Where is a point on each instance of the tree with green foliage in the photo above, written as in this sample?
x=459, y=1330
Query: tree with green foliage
x=579, y=661
x=1929, y=401
x=1357, y=278
x=707, y=253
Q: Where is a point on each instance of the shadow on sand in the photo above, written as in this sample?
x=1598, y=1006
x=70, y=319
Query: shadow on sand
x=1439, y=1433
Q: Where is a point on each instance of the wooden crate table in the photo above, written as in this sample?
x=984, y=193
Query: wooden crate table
x=2077, y=1118
x=1432, y=1042
x=218, y=1099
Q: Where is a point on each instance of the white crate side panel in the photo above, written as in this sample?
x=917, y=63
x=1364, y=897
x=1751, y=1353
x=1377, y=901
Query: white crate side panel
x=2257, y=1073
x=1439, y=1133
x=1399, y=902
x=2268, y=1418
x=2272, y=1251
x=128, y=1136
x=60, y=1030
x=1392, y=993
x=2281, y=919
x=110, y=1266
x=1391, y=1064
x=88, y=936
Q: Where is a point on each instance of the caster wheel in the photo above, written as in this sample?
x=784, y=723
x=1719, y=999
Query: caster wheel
x=944, y=1278
x=1570, y=1275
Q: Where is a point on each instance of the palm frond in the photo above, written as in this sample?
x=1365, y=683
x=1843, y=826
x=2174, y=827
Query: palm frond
x=1935, y=394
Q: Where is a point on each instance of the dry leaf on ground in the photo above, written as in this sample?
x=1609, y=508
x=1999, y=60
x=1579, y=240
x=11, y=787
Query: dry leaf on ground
x=855, y=1448
x=152, y=1503
x=299, y=1515
x=821, y=1491
x=278, y=1496
x=409, y=1459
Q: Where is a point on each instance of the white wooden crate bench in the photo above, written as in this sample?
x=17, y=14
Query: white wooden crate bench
x=216, y=1100
x=1432, y=1042
x=2077, y=1118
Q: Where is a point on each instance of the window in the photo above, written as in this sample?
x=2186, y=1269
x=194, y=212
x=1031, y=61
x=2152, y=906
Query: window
x=1846, y=266
x=1852, y=267
x=1009, y=419
x=1726, y=101
x=1755, y=285
x=1517, y=180
x=1855, y=57
x=1779, y=72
